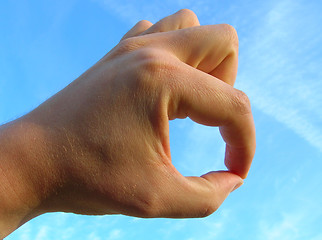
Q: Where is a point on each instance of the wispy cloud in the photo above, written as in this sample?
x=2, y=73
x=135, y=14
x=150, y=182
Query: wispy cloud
x=214, y=227
x=25, y=231
x=317, y=237
x=115, y=234
x=68, y=233
x=93, y=236
x=292, y=225
x=287, y=228
x=43, y=233
x=134, y=11
x=280, y=69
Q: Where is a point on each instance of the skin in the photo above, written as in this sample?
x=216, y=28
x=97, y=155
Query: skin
x=101, y=145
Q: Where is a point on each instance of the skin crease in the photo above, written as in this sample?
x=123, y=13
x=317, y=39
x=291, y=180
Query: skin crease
x=101, y=145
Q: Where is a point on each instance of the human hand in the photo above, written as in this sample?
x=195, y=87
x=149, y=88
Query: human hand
x=105, y=137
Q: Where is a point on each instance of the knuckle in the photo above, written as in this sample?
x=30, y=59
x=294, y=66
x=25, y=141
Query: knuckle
x=241, y=102
x=231, y=35
x=154, y=67
x=149, y=61
x=128, y=45
x=154, y=61
x=148, y=55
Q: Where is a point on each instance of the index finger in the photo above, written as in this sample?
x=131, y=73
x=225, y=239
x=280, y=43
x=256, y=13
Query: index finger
x=209, y=101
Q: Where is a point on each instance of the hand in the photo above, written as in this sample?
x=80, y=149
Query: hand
x=104, y=145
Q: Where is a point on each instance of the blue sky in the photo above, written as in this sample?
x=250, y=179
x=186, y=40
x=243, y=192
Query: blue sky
x=44, y=45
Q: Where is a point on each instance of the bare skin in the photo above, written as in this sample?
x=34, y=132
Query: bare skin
x=101, y=145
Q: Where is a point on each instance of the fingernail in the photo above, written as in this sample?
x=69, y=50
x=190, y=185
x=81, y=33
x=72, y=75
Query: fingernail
x=237, y=185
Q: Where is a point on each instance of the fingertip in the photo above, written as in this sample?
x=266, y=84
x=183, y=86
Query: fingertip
x=239, y=160
x=239, y=184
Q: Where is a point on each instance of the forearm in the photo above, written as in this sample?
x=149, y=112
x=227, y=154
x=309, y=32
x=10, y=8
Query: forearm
x=22, y=180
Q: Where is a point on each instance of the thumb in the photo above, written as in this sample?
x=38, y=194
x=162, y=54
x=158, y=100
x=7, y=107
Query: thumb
x=227, y=181
x=201, y=196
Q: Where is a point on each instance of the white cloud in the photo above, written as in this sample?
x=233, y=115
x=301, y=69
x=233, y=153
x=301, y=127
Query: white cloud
x=115, y=234
x=43, y=233
x=280, y=70
x=216, y=226
x=134, y=11
x=93, y=236
x=25, y=231
x=294, y=225
x=317, y=237
x=213, y=227
x=68, y=233
x=291, y=213
x=286, y=229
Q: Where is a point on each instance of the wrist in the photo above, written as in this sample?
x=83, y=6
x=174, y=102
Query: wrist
x=27, y=175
